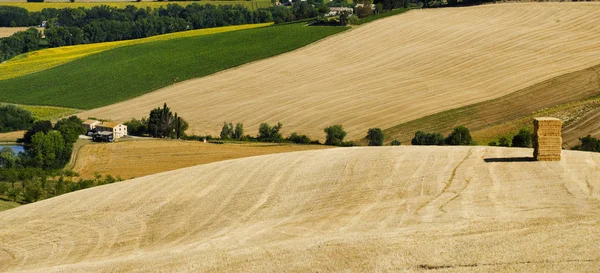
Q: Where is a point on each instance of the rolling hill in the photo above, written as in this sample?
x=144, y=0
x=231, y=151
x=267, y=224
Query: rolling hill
x=44, y=59
x=390, y=71
x=128, y=71
x=477, y=209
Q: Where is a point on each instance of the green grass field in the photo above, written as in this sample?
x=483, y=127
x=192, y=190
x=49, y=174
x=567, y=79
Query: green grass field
x=4, y=205
x=126, y=72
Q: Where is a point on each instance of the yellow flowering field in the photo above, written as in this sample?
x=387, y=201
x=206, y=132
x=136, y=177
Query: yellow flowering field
x=47, y=58
x=32, y=6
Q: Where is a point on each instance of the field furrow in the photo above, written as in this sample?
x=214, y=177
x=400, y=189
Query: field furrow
x=357, y=209
x=390, y=71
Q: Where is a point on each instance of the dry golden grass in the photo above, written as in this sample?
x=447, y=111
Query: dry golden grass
x=47, y=58
x=136, y=158
x=11, y=136
x=7, y=31
x=580, y=119
x=376, y=209
x=390, y=71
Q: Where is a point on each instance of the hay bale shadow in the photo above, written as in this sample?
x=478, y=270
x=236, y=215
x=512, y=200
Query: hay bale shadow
x=509, y=159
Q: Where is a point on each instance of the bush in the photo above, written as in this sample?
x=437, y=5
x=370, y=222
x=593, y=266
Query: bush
x=589, y=144
x=227, y=131
x=364, y=11
x=422, y=138
x=137, y=127
x=375, y=137
x=503, y=142
x=70, y=128
x=299, y=139
x=266, y=133
x=395, y=142
x=335, y=135
x=39, y=126
x=522, y=139
x=13, y=118
x=459, y=136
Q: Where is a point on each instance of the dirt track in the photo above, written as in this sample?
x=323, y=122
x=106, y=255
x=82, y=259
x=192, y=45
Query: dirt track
x=390, y=71
x=348, y=209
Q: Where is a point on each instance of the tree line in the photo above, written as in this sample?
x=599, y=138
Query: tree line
x=37, y=172
x=161, y=123
x=73, y=26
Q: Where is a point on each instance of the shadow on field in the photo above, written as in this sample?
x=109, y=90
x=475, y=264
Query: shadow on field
x=509, y=159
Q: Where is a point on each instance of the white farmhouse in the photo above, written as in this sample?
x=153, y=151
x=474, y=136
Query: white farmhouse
x=117, y=129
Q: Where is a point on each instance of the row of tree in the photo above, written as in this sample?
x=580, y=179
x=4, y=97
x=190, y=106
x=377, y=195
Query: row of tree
x=459, y=136
x=162, y=123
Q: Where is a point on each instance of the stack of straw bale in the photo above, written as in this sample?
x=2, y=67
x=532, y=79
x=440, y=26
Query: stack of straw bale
x=547, y=139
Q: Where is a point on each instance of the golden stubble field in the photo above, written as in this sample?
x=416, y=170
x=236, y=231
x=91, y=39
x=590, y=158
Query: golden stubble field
x=368, y=209
x=136, y=158
x=390, y=71
x=7, y=31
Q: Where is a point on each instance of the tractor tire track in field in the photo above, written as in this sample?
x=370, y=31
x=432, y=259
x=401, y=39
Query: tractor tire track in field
x=390, y=71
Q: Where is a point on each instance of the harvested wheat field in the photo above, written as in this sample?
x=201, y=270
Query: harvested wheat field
x=347, y=209
x=7, y=31
x=11, y=136
x=128, y=159
x=390, y=71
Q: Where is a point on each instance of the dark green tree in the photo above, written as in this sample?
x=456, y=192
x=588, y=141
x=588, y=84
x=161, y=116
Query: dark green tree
x=43, y=126
x=160, y=122
x=70, y=128
x=375, y=137
x=267, y=133
x=422, y=138
x=459, y=136
x=589, y=144
x=13, y=118
x=522, y=139
x=227, y=131
x=238, y=133
x=179, y=127
x=335, y=135
x=137, y=127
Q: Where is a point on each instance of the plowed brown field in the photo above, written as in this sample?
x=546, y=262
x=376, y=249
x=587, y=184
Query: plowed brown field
x=348, y=209
x=390, y=71
x=7, y=31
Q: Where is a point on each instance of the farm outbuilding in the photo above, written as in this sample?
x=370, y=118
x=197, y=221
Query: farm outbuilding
x=90, y=124
x=117, y=129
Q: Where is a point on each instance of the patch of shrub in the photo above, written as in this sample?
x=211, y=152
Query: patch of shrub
x=589, y=144
x=375, y=137
x=395, y=142
x=299, y=139
x=422, y=138
x=459, y=136
x=335, y=135
x=13, y=118
x=266, y=133
x=522, y=139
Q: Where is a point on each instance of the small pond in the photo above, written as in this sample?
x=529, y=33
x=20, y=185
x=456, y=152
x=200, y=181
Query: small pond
x=16, y=148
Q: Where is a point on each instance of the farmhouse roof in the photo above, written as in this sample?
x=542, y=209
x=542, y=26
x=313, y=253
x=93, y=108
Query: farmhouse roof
x=91, y=121
x=109, y=124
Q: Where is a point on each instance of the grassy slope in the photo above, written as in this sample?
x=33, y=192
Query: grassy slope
x=127, y=72
x=39, y=6
x=40, y=60
x=560, y=90
x=5, y=205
